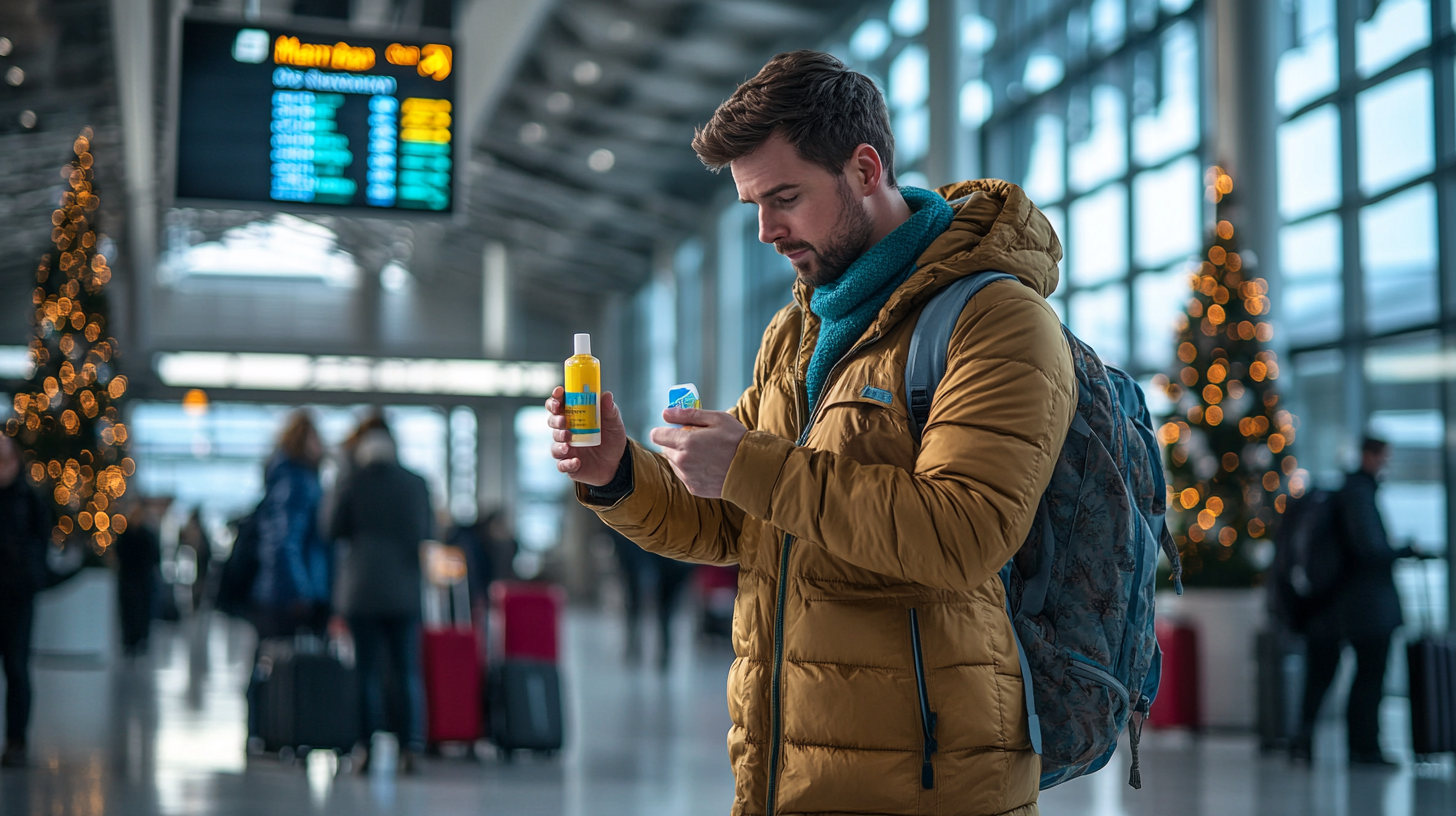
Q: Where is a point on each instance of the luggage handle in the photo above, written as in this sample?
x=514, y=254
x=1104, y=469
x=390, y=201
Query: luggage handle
x=1428, y=612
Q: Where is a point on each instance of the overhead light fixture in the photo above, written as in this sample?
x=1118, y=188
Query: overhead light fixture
x=586, y=72
x=15, y=76
x=5, y=46
x=559, y=103
x=533, y=133
x=302, y=372
x=601, y=160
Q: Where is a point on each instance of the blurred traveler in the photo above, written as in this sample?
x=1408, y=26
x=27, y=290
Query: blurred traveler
x=25, y=527
x=290, y=591
x=381, y=517
x=1364, y=611
x=490, y=550
x=835, y=706
x=642, y=570
x=194, y=537
x=138, y=557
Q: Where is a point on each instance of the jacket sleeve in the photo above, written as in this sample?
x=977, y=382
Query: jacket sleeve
x=993, y=437
x=661, y=515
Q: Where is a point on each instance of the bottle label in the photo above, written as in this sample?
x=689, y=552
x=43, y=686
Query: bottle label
x=581, y=411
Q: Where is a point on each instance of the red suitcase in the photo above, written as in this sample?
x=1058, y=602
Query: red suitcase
x=451, y=654
x=1177, y=704
x=528, y=620
x=452, y=685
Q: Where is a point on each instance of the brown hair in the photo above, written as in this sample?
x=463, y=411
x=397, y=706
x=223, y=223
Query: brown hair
x=821, y=107
x=293, y=442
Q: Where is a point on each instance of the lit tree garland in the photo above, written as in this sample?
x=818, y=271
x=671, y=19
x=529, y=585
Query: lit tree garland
x=1229, y=442
x=68, y=423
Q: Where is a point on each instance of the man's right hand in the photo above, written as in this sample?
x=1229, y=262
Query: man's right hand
x=596, y=465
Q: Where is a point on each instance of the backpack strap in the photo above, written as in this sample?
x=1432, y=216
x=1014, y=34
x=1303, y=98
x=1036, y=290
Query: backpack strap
x=930, y=344
x=924, y=369
x=1033, y=722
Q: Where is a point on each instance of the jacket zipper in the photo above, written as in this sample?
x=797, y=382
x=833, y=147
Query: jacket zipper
x=927, y=717
x=776, y=714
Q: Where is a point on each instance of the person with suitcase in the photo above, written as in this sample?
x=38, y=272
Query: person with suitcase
x=290, y=580
x=381, y=517
x=1363, y=609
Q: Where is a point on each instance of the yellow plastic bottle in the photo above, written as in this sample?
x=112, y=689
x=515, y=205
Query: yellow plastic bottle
x=583, y=395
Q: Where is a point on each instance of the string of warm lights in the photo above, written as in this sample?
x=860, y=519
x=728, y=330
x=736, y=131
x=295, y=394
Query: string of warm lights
x=68, y=424
x=1230, y=479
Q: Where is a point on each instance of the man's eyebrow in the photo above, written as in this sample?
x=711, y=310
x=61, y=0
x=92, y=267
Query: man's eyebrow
x=773, y=191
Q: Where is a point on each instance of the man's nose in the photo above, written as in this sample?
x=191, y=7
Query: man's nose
x=770, y=228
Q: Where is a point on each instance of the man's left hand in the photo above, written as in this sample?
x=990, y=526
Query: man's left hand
x=700, y=451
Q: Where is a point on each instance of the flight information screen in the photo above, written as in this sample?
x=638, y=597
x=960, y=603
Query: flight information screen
x=299, y=117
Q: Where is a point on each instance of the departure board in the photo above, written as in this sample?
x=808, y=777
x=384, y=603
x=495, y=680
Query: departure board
x=309, y=118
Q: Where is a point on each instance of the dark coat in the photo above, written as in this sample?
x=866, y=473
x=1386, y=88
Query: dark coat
x=381, y=517
x=25, y=527
x=1366, y=605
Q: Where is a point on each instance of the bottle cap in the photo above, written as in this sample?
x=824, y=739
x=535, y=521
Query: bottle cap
x=583, y=344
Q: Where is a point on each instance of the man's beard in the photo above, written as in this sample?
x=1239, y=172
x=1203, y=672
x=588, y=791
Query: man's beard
x=848, y=240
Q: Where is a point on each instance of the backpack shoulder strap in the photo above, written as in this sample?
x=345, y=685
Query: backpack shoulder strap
x=930, y=343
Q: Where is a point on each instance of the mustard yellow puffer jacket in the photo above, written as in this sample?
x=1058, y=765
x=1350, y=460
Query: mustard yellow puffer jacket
x=839, y=538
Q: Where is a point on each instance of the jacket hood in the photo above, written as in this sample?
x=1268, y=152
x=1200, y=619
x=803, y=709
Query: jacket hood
x=995, y=227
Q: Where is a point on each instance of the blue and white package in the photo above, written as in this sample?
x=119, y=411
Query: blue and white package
x=683, y=396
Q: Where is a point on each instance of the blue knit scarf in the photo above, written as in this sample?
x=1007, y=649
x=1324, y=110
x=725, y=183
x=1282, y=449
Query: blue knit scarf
x=849, y=305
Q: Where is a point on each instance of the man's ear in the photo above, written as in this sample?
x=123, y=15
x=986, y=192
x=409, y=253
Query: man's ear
x=865, y=170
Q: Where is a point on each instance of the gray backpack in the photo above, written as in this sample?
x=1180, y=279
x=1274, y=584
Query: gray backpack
x=1080, y=589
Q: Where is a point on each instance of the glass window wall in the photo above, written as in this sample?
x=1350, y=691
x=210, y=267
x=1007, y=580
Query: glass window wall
x=1362, y=188
x=1096, y=110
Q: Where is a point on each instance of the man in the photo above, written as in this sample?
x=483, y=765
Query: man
x=1364, y=611
x=380, y=519
x=840, y=535
x=25, y=525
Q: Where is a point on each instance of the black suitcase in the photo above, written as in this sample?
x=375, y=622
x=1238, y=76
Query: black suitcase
x=525, y=706
x=1432, y=662
x=1280, y=662
x=1431, y=665
x=310, y=700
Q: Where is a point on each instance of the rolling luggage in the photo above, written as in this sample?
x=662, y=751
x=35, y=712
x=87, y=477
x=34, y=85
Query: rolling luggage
x=451, y=656
x=525, y=706
x=1177, y=704
x=1280, y=690
x=1432, y=662
x=525, y=685
x=309, y=698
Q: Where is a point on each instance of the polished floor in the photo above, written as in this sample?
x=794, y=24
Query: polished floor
x=164, y=735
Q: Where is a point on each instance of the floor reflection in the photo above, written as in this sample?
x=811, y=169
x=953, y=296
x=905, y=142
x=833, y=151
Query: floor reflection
x=164, y=734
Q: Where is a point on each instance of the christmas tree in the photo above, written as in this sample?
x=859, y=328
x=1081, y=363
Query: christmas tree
x=1229, y=441
x=67, y=423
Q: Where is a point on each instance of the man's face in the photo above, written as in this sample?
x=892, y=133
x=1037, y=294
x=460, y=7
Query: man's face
x=1374, y=463
x=815, y=218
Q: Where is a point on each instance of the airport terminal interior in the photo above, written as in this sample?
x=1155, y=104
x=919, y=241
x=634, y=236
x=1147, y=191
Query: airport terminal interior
x=235, y=230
